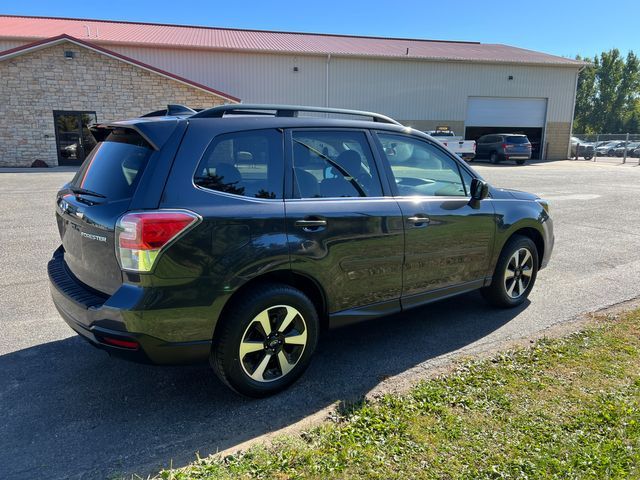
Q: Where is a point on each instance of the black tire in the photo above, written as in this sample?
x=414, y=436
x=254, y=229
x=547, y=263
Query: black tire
x=497, y=293
x=241, y=321
x=520, y=162
x=494, y=158
x=588, y=157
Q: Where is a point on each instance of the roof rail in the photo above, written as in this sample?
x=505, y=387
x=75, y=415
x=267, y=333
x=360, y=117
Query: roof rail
x=285, y=111
x=172, y=110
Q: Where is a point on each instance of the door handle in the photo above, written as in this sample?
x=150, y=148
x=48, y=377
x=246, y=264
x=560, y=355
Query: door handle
x=311, y=224
x=419, y=220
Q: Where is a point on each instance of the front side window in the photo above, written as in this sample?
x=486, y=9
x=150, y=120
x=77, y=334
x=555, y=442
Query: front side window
x=335, y=163
x=249, y=163
x=421, y=168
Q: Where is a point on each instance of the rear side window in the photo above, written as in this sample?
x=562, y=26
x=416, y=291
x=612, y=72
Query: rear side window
x=249, y=164
x=517, y=140
x=115, y=165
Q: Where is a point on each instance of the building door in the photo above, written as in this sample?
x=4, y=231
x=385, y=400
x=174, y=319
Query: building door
x=489, y=115
x=74, y=141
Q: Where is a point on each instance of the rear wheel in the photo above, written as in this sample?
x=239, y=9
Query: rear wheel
x=494, y=158
x=520, y=162
x=515, y=273
x=266, y=341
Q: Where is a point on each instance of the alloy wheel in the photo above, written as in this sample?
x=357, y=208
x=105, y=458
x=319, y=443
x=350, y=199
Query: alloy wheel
x=518, y=273
x=273, y=343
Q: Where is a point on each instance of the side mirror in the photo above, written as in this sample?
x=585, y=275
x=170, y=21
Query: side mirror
x=479, y=189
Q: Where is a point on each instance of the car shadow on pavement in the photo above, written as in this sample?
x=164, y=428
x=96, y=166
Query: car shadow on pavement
x=70, y=411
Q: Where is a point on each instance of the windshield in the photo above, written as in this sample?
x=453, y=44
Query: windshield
x=518, y=140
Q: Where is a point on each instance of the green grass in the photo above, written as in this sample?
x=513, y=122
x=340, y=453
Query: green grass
x=567, y=408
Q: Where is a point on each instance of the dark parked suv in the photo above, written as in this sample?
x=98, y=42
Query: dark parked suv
x=236, y=234
x=504, y=146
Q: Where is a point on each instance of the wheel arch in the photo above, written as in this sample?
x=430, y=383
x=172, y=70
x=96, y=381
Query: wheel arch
x=307, y=285
x=532, y=234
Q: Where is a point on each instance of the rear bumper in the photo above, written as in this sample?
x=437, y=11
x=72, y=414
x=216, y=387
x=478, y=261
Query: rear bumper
x=517, y=156
x=100, y=320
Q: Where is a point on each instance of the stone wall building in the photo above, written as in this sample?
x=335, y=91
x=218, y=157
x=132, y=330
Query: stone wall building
x=52, y=91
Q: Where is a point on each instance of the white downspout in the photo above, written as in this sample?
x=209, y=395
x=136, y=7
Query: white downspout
x=326, y=93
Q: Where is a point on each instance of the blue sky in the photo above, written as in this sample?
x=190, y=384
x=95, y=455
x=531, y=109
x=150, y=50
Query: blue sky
x=559, y=27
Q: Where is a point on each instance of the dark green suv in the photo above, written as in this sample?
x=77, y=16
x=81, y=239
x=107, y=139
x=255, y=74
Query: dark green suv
x=236, y=234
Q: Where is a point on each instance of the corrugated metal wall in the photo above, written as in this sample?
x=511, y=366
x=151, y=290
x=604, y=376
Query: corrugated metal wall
x=404, y=89
x=7, y=44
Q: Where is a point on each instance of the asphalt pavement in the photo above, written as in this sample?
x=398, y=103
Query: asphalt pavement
x=70, y=411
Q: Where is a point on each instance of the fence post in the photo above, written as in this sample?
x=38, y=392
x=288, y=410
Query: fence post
x=595, y=149
x=626, y=144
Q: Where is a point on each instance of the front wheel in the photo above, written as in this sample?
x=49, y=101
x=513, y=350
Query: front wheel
x=266, y=341
x=588, y=157
x=515, y=273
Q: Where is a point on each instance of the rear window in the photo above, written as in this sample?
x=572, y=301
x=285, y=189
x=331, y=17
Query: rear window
x=518, y=140
x=115, y=165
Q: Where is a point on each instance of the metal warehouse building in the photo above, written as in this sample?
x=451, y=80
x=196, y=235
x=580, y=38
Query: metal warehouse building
x=58, y=75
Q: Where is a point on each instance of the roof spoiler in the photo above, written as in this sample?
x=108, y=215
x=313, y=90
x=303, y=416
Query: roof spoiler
x=172, y=110
x=155, y=133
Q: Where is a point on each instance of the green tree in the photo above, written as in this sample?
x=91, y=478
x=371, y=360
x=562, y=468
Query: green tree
x=585, y=96
x=607, y=96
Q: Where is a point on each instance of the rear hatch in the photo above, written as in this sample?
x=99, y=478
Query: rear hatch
x=89, y=206
x=517, y=146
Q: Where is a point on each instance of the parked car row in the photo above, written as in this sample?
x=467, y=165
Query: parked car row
x=606, y=148
x=495, y=148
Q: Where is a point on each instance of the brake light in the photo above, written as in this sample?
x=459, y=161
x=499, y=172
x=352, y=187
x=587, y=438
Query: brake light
x=141, y=236
x=505, y=145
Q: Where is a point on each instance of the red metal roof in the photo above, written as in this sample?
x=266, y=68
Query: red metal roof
x=178, y=36
x=12, y=52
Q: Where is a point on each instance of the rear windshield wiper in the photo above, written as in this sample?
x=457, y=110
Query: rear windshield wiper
x=84, y=191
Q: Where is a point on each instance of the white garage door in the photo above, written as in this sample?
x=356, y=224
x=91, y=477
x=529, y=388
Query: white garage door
x=506, y=112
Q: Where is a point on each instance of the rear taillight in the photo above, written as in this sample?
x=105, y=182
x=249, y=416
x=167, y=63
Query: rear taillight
x=505, y=145
x=141, y=236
